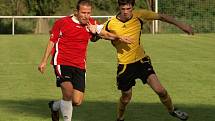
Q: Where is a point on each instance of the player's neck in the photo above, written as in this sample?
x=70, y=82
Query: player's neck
x=123, y=18
x=75, y=19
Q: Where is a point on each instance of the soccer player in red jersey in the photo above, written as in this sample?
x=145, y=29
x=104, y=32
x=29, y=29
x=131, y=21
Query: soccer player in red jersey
x=68, y=43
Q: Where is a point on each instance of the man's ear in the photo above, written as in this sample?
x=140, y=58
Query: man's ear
x=75, y=12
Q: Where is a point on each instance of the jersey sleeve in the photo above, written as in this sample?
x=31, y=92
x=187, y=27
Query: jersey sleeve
x=146, y=14
x=98, y=27
x=55, y=31
x=105, y=25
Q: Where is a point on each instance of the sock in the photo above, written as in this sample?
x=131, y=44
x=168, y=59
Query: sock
x=56, y=105
x=66, y=110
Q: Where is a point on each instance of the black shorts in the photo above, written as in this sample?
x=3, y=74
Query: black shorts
x=72, y=74
x=127, y=73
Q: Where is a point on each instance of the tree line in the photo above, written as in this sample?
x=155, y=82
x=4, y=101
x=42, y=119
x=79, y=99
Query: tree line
x=199, y=13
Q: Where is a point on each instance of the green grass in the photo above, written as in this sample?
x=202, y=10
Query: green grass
x=184, y=64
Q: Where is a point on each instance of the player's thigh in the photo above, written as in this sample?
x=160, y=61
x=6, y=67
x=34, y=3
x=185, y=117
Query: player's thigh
x=67, y=90
x=155, y=84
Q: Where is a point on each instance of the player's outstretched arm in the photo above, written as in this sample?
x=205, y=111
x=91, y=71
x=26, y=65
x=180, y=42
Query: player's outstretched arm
x=110, y=36
x=184, y=27
x=98, y=30
x=42, y=65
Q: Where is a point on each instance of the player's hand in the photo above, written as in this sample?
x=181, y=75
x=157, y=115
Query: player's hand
x=92, y=28
x=125, y=39
x=188, y=29
x=42, y=67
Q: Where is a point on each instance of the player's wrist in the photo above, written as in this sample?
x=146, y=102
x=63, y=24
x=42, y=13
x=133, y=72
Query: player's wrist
x=119, y=38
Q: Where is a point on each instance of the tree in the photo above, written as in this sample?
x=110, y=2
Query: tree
x=42, y=8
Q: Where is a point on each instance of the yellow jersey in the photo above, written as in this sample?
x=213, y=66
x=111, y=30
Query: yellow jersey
x=129, y=53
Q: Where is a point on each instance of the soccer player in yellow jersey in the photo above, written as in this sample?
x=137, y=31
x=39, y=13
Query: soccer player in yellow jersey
x=133, y=63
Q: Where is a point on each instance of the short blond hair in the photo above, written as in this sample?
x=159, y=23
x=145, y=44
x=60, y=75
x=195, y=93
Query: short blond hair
x=83, y=2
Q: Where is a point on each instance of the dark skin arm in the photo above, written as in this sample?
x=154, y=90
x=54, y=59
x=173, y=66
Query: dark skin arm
x=184, y=27
x=107, y=35
x=110, y=36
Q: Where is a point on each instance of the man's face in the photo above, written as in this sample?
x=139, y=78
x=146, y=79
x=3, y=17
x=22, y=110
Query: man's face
x=84, y=14
x=126, y=11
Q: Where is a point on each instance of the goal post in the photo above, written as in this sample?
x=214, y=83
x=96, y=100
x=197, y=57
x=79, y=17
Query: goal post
x=13, y=18
x=155, y=22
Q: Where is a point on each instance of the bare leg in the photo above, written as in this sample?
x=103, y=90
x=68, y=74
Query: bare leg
x=165, y=98
x=70, y=97
x=77, y=97
x=123, y=101
x=154, y=83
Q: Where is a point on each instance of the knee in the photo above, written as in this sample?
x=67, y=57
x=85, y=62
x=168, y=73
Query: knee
x=67, y=97
x=125, y=100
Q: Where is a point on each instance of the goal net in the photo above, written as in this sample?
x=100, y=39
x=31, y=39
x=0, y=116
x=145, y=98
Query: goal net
x=200, y=14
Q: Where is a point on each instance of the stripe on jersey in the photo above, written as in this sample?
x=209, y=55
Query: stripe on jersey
x=58, y=70
x=56, y=49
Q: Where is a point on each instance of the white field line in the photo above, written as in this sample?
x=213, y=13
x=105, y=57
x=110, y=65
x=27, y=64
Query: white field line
x=105, y=62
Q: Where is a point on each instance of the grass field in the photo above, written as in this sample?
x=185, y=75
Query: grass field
x=184, y=64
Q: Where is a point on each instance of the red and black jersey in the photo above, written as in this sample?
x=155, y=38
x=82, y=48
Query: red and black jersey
x=71, y=39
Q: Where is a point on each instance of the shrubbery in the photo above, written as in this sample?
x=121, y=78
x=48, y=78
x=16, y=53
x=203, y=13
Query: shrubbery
x=200, y=14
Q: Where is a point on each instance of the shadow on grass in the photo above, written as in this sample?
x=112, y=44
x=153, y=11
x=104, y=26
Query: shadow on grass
x=106, y=111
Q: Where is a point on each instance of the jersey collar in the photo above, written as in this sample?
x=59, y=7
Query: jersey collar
x=117, y=17
x=75, y=19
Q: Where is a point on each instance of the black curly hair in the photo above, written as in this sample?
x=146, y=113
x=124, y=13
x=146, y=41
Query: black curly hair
x=124, y=2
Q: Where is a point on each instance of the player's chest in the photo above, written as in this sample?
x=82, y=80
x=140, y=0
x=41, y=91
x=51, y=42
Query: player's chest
x=132, y=26
x=76, y=31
